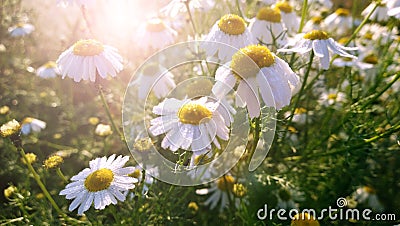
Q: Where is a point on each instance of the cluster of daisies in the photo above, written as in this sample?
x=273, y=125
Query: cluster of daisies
x=250, y=68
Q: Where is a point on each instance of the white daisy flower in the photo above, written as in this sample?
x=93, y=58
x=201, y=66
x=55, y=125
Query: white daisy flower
x=219, y=192
x=179, y=6
x=21, y=29
x=332, y=97
x=289, y=17
x=103, y=130
x=155, y=34
x=320, y=43
x=380, y=14
x=256, y=69
x=189, y=123
x=48, y=70
x=267, y=26
x=148, y=179
x=230, y=30
x=326, y=3
x=103, y=183
x=339, y=22
x=155, y=77
x=29, y=125
x=394, y=12
x=88, y=58
x=367, y=195
x=315, y=23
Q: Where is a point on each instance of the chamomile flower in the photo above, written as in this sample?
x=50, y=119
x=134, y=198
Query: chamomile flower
x=10, y=128
x=88, y=58
x=189, y=123
x=29, y=125
x=394, y=12
x=48, y=70
x=315, y=23
x=320, y=43
x=289, y=17
x=367, y=195
x=380, y=14
x=219, y=193
x=21, y=29
x=339, y=22
x=156, y=78
x=102, y=183
x=103, y=130
x=256, y=69
x=155, y=34
x=267, y=26
x=332, y=97
x=179, y=6
x=231, y=30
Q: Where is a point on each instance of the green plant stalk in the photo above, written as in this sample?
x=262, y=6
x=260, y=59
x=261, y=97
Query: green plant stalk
x=39, y=182
x=191, y=18
x=302, y=89
x=303, y=15
x=108, y=112
x=256, y=137
x=61, y=175
x=361, y=25
x=238, y=8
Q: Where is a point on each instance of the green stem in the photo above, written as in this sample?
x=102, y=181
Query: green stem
x=302, y=89
x=191, y=18
x=303, y=15
x=39, y=182
x=361, y=25
x=61, y=175
x=256, y=136
x=107, y=108
x=238, y=8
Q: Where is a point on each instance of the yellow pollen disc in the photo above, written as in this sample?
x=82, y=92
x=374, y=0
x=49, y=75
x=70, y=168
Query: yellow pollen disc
x=368, y=35
x=239, y=190
x=369, y=190
x=99, y=180
x=269, y=14
x=53, y=162
x=232, y=24
x=88, y=47
x=27, y=120
x=292, y=129
x=302, y=219
x=342, y=12
x=50, y=64
x=284, y=7
x=155, y=25
x=226, y=183
x=248, y=61
x=193, y=113
x=20, y=25
x=316, y=19
x=371, y=59
x=135, y=174
x=299, y=111
x=316, y=34
x=332, y=96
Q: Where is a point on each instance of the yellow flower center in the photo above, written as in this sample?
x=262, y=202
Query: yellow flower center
x=30, y=157
x=53, y=161
x=232, y=24
x=284, y=6
x=368, y=35
x=4, y=110
x=292, y=129
x=226, y=183
x=99, y=180
x=304, y=219
x=299, y=111
x=143, y=144
x=239, y=190
x=93, y=120
x=193, y=113
x=20, y=25
x=155, y=25
x=342, y=12
x=27, y=120
x=332, y=96
x=50, y=64
x=269, y=14
x=371, y=59
x=369, y=190
x=10, y=128
x=316, y=34
x=88, y=47
x=135, y=174
x=242, y=63
x=316, y=19
x=193, y=206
